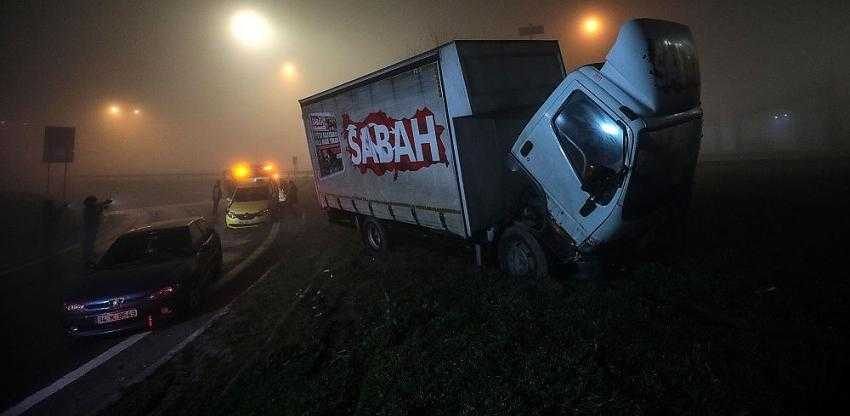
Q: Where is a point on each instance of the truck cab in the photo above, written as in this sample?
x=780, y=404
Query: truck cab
x=613, y=149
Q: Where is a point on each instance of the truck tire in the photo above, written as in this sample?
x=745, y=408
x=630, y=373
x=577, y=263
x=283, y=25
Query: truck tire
x=374, y=234
x=520, y=255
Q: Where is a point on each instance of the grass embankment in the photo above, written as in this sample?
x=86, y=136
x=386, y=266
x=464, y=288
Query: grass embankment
x=741, y=315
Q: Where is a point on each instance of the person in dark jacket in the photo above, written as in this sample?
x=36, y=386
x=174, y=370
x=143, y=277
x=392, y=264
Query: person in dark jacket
x=92, y=215
x=291, y=192
x=216, y=196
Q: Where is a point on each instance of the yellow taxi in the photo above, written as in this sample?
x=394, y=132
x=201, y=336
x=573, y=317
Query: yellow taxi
x=250, y=205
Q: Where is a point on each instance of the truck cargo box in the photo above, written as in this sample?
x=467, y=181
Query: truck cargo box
x=394, y=144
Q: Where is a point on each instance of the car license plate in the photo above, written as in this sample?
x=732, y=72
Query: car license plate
x=116, y=316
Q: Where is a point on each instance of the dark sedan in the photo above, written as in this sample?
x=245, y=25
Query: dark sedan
x=149, y=274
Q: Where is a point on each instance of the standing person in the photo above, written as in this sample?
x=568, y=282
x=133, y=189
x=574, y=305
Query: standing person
x=92, y=213
x=216, y=196
x=292, y=192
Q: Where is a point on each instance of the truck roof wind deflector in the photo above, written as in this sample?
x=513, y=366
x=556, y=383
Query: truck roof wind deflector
x=655, y=61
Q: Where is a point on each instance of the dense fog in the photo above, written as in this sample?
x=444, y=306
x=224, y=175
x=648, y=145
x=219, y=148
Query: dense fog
x=772, y=72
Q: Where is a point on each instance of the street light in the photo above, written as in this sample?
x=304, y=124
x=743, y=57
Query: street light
x=591, y=25
x=288, y=71
x=250, y=29
x=137, y=112
x=114, y=110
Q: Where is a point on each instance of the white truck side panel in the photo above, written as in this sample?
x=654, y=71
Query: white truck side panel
x=376, y=170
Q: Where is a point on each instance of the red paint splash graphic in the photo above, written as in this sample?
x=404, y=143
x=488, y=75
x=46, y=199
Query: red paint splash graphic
x=384, y=144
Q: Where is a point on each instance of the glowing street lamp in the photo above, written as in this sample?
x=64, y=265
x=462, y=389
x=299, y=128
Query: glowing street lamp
x=288, y=71
x=114, y=110
x=591, y=26
x=137, y=112
x=250, y=29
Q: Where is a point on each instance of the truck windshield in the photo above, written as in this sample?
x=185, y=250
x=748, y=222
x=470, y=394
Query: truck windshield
x=251, y=194
x=593, y=143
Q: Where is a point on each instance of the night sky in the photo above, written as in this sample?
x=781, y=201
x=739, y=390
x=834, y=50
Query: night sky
x=206, y=101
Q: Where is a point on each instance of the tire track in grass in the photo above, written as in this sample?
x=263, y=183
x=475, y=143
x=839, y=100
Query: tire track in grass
x=281, y=320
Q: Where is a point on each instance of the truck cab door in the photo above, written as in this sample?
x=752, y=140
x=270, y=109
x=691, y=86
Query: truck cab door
x=575, y=148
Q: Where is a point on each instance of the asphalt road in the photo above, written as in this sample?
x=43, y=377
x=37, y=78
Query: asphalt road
x=54, y=374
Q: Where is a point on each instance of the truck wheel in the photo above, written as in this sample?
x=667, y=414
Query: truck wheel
x=374, y=234
x=520, y=255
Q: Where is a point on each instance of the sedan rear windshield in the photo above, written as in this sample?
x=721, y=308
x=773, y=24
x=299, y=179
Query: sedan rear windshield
x=251, y=194
x=139, y=246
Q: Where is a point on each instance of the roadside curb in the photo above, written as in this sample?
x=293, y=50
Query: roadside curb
x=264, y=246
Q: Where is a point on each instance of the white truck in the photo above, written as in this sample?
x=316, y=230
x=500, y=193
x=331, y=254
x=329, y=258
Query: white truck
x=492, y=142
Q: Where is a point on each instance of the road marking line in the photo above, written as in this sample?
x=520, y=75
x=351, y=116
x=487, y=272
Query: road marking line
x=180, y=205
x=177, y=348
x=69, y=378
x=148, y=371
x=248, y=261
x=171, y=353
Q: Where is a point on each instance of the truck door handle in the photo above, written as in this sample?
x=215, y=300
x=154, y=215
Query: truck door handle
x=526, y=148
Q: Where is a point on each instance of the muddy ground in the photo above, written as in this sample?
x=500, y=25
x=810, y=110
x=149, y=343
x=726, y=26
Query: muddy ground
x=745, y=313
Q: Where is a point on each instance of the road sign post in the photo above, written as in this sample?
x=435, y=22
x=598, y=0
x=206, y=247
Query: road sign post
x=58, y=148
